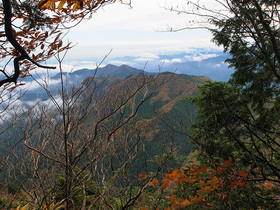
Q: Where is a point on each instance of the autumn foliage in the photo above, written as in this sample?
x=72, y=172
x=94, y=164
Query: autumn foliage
x=207, y=186
x=73, y=5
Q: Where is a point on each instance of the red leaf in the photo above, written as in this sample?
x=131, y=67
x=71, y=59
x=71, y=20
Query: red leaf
x=220, y=170
x=226, y=163
x=203, y=169
x=243, y=173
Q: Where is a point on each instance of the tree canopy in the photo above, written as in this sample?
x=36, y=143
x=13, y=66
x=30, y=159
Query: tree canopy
x=236, y=131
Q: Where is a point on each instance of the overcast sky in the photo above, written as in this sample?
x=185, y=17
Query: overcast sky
x=135, y=32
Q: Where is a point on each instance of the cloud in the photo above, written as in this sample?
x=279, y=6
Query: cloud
x=120, y=62
x=36, y=84
x=217, y=65
x=146, y=57
x=200, y=57
x=143, y=59
x=165, y=61
x=174, y=60
x=189, y=57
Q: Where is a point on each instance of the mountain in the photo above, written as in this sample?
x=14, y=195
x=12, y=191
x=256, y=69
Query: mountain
x=111, y=70
x=166, y=108
x=197, y=62
x=168, y=101
x=215, y=68
x=76, y=78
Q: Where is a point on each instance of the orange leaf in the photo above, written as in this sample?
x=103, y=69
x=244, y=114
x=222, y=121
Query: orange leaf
x=203, y=169
x=165, y=183
x=243, y=173
x=233, y=185
x=155, y=182
x=268, y=185
x=201, y=182
x=241, y=182
x=226, y=163
x=173, y=198
x=191, y=180
x=257, y=170
x=220, y=170
x=81, y=125
x=214, y=181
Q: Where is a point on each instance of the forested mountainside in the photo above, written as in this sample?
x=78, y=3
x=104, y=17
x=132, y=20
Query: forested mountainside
x=166, y=107
x=114, y=127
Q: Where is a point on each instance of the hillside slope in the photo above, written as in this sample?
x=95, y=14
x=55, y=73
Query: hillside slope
x=166, y=108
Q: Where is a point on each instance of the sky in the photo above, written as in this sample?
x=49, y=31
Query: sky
x=140, y=31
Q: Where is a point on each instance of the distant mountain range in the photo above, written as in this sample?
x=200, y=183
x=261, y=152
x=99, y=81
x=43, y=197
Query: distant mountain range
x=197, y=62
x=215, y=68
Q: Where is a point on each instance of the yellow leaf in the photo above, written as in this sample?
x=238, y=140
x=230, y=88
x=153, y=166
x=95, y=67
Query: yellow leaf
x=57, y=206
x=206, y=189
x=195, y=200
x=213, y=181
x=26, y=207
x=76, y=6
x=268, y=185
x=48, y=4
x=88, y=3
x=184, y=203
x=61, y=4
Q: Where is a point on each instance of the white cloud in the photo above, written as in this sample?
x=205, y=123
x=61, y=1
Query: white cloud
x=120, y=62
x=146, y=57
x=135, y=31
x=36, y=84
x=217, y=65
x=165, y=61
x=200, y=57
x=189, y=57
x=143, y=59
x=176, y=60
